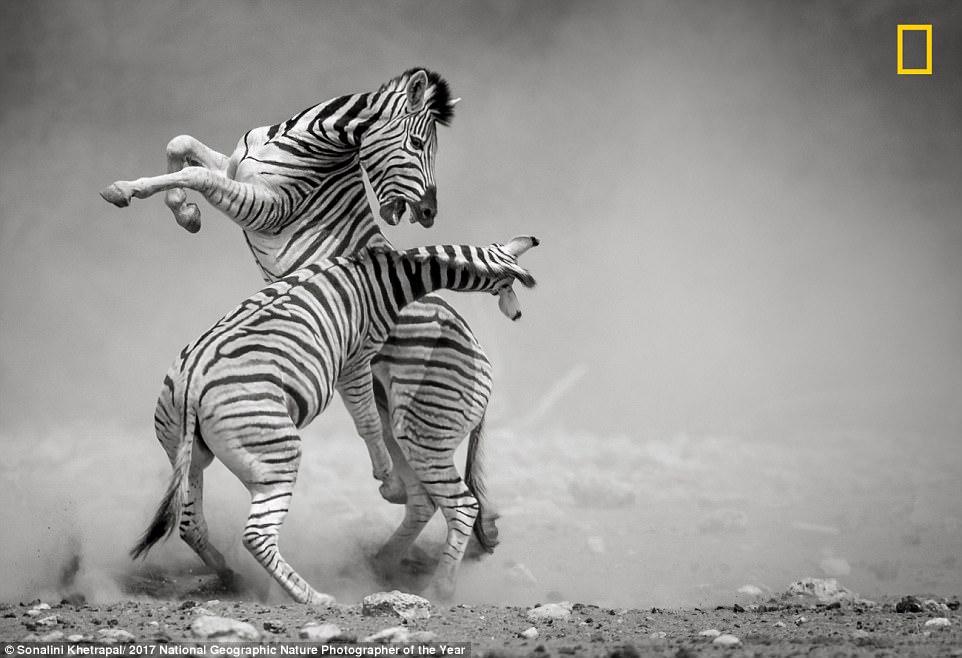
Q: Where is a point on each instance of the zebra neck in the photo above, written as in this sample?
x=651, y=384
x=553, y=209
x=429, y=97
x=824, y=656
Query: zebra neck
x=338, y=126
x=335, y=220
x=424, y=270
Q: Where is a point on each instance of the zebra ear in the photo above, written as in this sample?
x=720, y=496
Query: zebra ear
x=521, y=244
x=417, y=85
x=508, y=303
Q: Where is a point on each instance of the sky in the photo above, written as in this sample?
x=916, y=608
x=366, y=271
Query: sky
x=750, y=224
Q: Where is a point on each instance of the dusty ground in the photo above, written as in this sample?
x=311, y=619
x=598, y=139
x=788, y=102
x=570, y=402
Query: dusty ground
x=775, y=628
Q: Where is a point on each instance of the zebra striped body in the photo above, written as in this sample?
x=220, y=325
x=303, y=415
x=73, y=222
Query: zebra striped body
x=242, y=390
x=432, y=379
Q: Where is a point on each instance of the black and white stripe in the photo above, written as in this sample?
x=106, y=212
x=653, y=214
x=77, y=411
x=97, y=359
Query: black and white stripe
x=241, y=391
x=432, y=378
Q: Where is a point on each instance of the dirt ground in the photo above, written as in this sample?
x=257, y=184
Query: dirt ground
x=773, y=628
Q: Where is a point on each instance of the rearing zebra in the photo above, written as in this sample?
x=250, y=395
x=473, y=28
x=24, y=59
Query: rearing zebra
x=243, y=388
x=432, y=379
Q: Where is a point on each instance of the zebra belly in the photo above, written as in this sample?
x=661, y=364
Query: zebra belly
x=438, y=376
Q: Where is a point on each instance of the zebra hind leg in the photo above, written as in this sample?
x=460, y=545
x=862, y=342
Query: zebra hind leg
x=442, y=482
x=193, y=528
x=265, y=457
x=235, y=199
x=269, y=506
x=395, y=560
x=182, y=151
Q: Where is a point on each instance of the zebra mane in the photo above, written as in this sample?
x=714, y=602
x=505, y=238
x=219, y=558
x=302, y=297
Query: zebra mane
x=437, y=95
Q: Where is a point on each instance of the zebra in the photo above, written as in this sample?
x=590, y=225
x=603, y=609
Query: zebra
x=242, y=390
x=432, y=378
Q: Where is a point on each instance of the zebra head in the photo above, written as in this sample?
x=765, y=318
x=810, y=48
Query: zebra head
x=507, y=298
x=399, y=153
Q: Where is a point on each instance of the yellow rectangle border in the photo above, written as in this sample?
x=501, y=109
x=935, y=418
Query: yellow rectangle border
x=928, y=49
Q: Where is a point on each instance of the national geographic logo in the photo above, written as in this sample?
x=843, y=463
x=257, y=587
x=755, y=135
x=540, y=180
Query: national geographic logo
x=915, y=49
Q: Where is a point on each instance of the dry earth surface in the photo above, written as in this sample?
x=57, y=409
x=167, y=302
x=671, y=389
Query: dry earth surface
x=782, y=626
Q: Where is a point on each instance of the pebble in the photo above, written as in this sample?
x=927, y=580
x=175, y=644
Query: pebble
x=554, y=611
x=319, y=632
x=711, y=632
x=44, y=622
x=400, y=634
x=529, y=634
x=908, y=604
x=780, y=624
x=658, y=635
x=405, y=606
x=273, y=626
x=210, y=627
x=938, y=621
x=726, y=640
x=114, y=636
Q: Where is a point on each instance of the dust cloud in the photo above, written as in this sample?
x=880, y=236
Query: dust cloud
x=742, y=363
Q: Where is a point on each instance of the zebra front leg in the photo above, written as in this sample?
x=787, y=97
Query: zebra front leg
x=183, y=151
x=357, y=390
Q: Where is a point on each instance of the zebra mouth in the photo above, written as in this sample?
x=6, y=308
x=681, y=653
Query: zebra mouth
x=392, y=211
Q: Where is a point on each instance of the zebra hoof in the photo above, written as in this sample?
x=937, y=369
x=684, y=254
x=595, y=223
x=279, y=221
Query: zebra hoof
x=117, y=194
x=393, y=491
x=189, y=217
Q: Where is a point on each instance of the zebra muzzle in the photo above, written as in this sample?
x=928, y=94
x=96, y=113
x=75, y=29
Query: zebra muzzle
x=392, y=211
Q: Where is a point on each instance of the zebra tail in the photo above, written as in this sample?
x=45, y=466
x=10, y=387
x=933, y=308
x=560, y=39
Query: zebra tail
x=485, y=529
x=167, y=516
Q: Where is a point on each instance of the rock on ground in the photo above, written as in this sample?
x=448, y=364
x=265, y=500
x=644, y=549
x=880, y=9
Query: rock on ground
x=405, y=606
x=210, y=627
x=322, y=633
x=823, y=590
x=400, y=634
x=552, y=611
x=114, y=636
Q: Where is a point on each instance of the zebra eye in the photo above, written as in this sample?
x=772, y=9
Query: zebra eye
x=417, y=143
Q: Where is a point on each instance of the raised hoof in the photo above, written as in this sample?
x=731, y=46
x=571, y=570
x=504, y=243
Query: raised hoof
x=189, y=217
x=393, y=491
x=117, y=195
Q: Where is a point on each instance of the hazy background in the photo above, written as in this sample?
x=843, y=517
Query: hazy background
x=742, y=364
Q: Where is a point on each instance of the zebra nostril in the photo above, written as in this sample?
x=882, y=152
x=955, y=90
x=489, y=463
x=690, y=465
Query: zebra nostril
x=428, y=212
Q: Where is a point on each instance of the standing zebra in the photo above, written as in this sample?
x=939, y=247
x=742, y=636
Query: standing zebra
x=242, y=390
x=432, y=379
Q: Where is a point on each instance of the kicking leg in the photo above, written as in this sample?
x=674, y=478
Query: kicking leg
x=245, y=203
x=183, y=151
